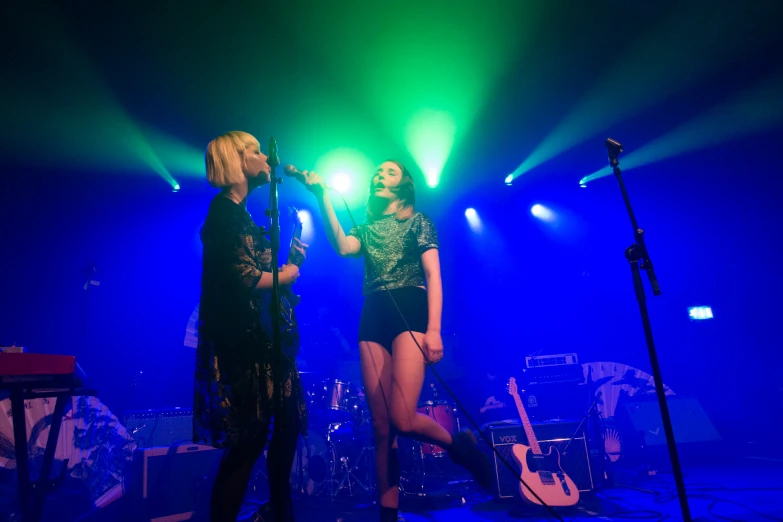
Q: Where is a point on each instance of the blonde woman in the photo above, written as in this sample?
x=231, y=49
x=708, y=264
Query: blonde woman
x=235, y=380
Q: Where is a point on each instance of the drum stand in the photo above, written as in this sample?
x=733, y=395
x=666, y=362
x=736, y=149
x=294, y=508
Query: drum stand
x=421, y=464
x=426, y=464
x=349, y=473
x=418, y=470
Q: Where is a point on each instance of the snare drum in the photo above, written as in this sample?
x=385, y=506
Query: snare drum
x=337, y=397
x=445, y=414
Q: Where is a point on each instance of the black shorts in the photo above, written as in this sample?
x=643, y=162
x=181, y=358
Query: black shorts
x=381, y=322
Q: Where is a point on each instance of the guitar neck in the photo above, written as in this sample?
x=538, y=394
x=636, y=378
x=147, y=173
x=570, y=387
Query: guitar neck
x=531, y=436
x=297, y=233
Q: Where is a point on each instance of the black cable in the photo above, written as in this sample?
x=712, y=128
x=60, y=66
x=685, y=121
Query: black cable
x=717, y=487
x=666, y=495
x=693, y=493
x=437, y=375
x=752, y=489
x=695, y=488
x=635, y=514
x=717, y=500
x=709, y=510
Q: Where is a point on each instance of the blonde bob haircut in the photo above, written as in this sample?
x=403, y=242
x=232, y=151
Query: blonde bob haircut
x=223, y=158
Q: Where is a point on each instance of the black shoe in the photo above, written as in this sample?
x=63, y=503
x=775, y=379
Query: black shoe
x=265, y=513
x=261, y=514
x=465, y=452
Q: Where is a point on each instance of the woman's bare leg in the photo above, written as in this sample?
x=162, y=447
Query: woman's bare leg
x=407, y=379
x=376, y=364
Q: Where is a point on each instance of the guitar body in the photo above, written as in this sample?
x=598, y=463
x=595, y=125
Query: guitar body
x=289, y=327
x=545, y=476
x=541, y=471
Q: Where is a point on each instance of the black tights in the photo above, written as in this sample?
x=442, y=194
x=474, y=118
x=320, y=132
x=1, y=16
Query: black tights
x=237, y=466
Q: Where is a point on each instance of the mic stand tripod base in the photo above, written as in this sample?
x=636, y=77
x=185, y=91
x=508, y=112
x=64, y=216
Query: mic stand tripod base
x=582, y=422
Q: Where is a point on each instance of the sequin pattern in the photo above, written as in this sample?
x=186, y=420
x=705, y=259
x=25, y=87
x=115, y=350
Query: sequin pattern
x=395, y=247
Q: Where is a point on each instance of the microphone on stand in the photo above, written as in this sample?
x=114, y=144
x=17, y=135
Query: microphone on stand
x=614, y=147
x=272, y=159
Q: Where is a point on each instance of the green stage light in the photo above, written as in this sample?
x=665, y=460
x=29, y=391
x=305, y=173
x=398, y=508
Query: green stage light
x=688, y=46
x=77, y=113
x=348, y=171
x=418, y=79
x=429, y=138
x=753, y=110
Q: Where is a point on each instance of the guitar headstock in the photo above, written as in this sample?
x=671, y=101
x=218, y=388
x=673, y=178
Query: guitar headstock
x=512, y=386
x=294, y=213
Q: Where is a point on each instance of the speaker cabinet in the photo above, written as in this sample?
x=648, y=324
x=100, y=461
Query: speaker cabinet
x=173, y=483
x=689, y=421
x=155, y=428
x=644, y=442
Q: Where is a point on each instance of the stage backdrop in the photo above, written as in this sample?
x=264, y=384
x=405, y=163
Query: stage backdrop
x=93, y=448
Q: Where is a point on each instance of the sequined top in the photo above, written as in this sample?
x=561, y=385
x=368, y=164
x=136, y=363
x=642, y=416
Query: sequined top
x=395, y=247
x=234, y=381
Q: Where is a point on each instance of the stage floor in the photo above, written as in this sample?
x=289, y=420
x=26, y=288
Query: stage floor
x=747, y=490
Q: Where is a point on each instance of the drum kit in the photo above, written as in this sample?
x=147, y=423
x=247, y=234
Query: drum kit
x=337, y=458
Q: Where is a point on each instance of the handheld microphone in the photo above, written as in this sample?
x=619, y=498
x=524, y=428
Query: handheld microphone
x=293, y=172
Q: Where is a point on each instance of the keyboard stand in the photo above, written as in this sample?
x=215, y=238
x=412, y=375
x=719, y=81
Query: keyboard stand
x=33, y=494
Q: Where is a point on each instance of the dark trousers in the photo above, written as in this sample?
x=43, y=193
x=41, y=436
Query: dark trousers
x=237, y=466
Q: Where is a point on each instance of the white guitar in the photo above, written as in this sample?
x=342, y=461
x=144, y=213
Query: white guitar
x=542, y=472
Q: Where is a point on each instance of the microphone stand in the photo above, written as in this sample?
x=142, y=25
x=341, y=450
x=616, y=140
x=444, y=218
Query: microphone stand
x=89, y=271
x=584, y=419
x=278, y=373
x=639, y=258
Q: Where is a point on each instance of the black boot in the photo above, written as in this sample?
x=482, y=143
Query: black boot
x=262, y=514
x=465, y=452
x=388, y=514
x=269, y=513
